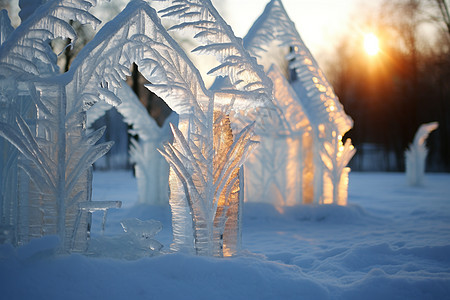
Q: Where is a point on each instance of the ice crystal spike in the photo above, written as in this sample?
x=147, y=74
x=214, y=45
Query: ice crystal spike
x=416, y=154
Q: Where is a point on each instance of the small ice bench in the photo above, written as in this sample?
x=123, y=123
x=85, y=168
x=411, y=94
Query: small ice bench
x=92, y=206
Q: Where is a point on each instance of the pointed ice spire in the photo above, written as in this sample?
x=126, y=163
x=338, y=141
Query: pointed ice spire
x=28, y=48
x=247, y=78
x=318, y=101
x=142, y=39
x=310, y=83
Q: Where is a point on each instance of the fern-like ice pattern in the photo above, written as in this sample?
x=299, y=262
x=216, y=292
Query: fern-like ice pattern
x=56, y=153
x=45, y=125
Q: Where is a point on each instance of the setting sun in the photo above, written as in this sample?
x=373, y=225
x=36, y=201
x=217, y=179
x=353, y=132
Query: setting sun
x=371, y=44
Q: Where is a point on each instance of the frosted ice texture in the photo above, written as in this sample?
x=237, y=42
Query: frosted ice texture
x=206, y=168
x=205, y=157
x=201, y=174
x=323, y=158
x=142, y=232
x=416, y=154
x=57, y=154
x=249, y=85
x=9, y=154
x=151, y=169
x=322, y=104
x=43, y=119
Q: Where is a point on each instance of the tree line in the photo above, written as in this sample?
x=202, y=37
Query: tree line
x=389, y=95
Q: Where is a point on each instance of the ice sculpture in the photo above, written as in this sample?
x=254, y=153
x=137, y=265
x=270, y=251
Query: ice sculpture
x=201, y=175
x=46, y=170
x=326, y=115
x=416, y=154
x=205, y=157
x=151, y=169
x=56, y=153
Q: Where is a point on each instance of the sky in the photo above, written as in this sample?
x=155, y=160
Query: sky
x=319, y=22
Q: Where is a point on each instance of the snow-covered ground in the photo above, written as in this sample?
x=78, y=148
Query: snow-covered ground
x=391, y=242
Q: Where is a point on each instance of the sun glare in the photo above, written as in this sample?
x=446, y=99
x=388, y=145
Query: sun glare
x=371, y=44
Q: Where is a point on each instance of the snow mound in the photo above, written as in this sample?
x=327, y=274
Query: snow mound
x=307, y=213
x=391, y=243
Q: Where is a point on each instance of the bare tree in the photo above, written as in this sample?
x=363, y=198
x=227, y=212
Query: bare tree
x=443, y=7
x=389, y=95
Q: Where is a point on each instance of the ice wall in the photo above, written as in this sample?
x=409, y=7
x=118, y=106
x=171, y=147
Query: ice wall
x=49, y=173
